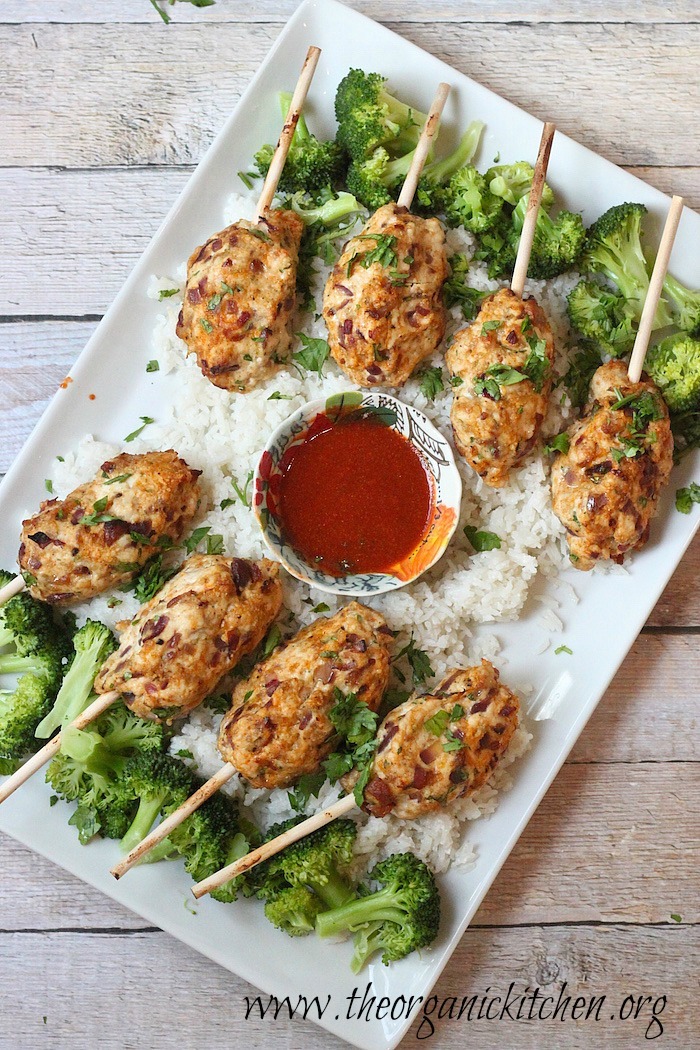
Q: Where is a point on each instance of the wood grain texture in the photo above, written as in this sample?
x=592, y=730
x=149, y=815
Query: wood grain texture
x=140, y=11
x=163, y=84
x=136, y=973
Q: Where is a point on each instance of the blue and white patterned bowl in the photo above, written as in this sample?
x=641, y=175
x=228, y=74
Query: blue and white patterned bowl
x=437, y=458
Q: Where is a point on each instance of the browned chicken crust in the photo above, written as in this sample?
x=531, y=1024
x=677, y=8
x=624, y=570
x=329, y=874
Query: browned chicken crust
x=495, y=435
x=195, y=630
x=239, y=299
x=434, y=749
x=278, y=728
x=605, y=489
x=385, y=317
x=105, y=531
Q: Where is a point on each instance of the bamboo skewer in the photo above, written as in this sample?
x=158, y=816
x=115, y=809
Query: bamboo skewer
x=527, y=236
x=173, y=820
x=269, y=849
x=420, y=153
x=651, y=302
x=285, y=140
x=12, y=588
x=47, y=752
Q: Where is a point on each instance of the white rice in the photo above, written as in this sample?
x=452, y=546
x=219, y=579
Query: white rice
x=222, y=434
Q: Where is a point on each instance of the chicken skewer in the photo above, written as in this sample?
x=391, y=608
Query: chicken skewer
x=278, y=726
x=606, y=487
x=241, y=284
x=180, y=644
x=430, y=750
x=104, y=531
x=382, y=303
x=502, y=363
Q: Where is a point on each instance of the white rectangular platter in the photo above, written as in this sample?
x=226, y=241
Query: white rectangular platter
x=599, y=630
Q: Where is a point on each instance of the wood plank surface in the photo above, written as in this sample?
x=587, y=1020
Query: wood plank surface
x=140, y=125
x=140, y=11
x=127, y=992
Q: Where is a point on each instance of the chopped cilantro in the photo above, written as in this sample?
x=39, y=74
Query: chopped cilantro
x=560, y=443
x=456, y=381
x=438, y=723
x=115, y=480
x=482, y=541
x=312, y=356
x=167, y=293
x=206, y=325
x=48, y=483
x=676, y=917
x=563, y=649
x=276, y=396
x=306, y=786
x=431, y=382
x=382, y=253
x=490, y=326
x=419, y=661
x=685, y=498
x=452, y=742
x=321, y=608
x=145, y=420
x=184, y=752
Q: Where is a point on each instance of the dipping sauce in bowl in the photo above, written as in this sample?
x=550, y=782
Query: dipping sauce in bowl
x=355, y=496
x=357, y=493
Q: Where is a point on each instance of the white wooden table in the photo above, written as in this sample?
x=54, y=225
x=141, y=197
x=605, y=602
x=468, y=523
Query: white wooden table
x=103, y=112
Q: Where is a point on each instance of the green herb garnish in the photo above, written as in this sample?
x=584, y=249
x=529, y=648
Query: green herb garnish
x=481, y=540
x=560, y=443
x=685, y=498
x=146, y=420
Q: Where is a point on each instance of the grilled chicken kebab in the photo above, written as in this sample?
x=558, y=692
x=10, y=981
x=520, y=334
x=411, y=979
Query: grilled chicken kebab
x=193, y=632
x=502, y=369
x=278, y=727
x=605, y=489
x=436, y=748
x=105, y=531
x=383, y=301
x=239, y=298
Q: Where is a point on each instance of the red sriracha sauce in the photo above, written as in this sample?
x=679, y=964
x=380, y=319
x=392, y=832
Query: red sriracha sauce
x=354, y=497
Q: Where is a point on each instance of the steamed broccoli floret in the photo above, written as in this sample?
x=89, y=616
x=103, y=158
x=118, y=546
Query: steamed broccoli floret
x=243, y=842
x=323, y=212
x=511, y=182
x=375, y=180
x=686, y=303
x=674, y=365
x=34, y=646
x=468, y=201
x=92, y=645
x=601, y=317
x=310, y=165
x=320, y=862
x=203, y=839
x=435, y=190
x=498, y=248
x=399, y=918
x=557, y=244
x=369, y=117
x=157, y=781
x=614, y=248
x=294, y=910
x=89, y=769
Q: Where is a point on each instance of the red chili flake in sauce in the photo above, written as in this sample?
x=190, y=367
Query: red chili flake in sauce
x=354, y=496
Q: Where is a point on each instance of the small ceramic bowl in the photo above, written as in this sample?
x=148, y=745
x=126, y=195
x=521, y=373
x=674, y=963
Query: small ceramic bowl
x=437, y=458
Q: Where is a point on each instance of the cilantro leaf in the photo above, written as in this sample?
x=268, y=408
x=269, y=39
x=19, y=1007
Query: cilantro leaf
x=146, y=420
x=431, y=382
x=482, y=541
x=685, y=498
x=560, y=443
x=313, y=354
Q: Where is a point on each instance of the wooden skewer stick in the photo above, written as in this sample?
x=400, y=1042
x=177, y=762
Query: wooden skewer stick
x=285, y=140
x=533, y=206
x=269, y=849
x=173, y=820
x=651, y=302
x=423, y=146
x=12, y=588
x=96, y=708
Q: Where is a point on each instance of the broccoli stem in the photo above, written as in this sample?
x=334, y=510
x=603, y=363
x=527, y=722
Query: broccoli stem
x=13, y=664
x=6, y=637
x=442, y=170
x=367, y=942
x=334, y=892
x=399, y=112
x=382, y=906
x=302, y=133
x=73, y=695
x=146, y=815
